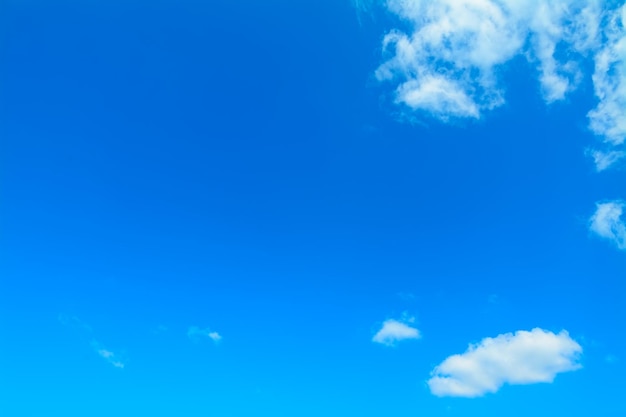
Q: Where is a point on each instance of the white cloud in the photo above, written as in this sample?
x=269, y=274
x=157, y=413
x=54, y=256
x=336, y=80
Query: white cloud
x=108, y=355
x=438, y=93
x=608, y=119
x=215, y=336
x=607, y=222
x=393, y=331
x=447, y=63
x=76, y=324
x=604, y=160
x=196, y=334
x=526, y=357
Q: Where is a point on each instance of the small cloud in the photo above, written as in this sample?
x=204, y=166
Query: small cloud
x=610, y=359
x=526, y=357
x=108, y=355
x=215, y=336
x=604, y=160
x=493, y=299
x=393, y=331
x=407, y=318
x=442, y=96
x=607, y=222
x=196, y=334
x=75, y=323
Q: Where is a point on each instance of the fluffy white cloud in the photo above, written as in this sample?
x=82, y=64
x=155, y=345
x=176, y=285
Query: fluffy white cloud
x=526, y=357
x=607, y=222
x=393, y=331
x=447, y=63
x=438, y=93
x=196, y=334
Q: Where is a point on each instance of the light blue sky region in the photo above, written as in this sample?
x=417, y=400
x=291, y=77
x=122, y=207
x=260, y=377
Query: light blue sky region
x=320, y=208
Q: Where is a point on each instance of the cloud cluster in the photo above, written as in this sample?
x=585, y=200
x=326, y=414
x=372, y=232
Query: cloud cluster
x=525, y=357
x=394, y=331
x=607, y=222
x=447, y=64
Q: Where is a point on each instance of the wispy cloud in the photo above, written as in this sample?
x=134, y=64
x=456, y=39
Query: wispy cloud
x=75, y=323
x=608, y=119
x=604, y=160
x=525, y=357
x=107, y=355
x=447, y=64
x=197, y=334
x=607, y=222
x=363, y=5
x=394, y=331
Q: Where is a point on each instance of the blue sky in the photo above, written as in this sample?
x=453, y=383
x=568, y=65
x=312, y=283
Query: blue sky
x=312, y=208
